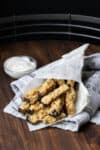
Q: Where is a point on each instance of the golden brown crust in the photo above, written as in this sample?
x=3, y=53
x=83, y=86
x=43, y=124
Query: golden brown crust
x=42, y=113
x=61, y=116
x=47, y=102
x=49, y=119
x=35, y=107
x=71, y=83
x=53, y=95
x=37, y=93
x=27, y=96
x=24, y=107
x=33, y=118
x=56, y=106
x=70, y=101
x=37, y=116
x=60, y=82
x=47, y=86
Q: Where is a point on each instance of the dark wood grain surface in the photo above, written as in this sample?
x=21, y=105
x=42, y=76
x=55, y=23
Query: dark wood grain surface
x=14, y=133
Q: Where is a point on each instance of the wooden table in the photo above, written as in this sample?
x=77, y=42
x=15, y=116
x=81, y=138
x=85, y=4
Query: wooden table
x=14, y=133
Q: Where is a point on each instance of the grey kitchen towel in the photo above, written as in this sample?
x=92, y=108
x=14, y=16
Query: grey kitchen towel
x=91, y=79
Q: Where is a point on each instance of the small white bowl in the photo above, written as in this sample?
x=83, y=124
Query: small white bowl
x=19, y=66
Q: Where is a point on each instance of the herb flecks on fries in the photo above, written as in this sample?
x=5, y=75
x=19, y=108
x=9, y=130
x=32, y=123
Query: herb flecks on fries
x=50, y=102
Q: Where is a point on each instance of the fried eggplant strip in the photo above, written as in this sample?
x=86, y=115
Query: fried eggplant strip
x=46, y=87
x=37, y=116
x=60, y=82
x=56, y=106
x=49, y=119
x=47, y=102
x=33, y=118
x=35, y=107
x=61, y=116
x=54, y=94
x=71, y=83
x=24, y=107
x=70, y=101
x=33, y=94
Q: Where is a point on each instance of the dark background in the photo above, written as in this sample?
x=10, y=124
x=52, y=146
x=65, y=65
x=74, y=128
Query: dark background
x=19, y=20
x=20, y=7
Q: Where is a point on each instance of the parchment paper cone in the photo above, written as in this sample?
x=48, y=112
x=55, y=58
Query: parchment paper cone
x=68, y=67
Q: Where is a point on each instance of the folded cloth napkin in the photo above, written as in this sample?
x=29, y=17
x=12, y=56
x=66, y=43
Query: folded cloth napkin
x=91, y=113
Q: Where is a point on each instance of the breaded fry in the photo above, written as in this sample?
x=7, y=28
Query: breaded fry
x=49, y=119
x=24, y=107
x=61, y=116
x=33, y=118
x=54, y=94
x=31, y=98
x=37, y=116
x=47, y=102
x=47, y=86
x=28, y=95
x=37, y=93
x=60, y=82
x=56, y=106
x=42, y=113
x=71, y=83
x=34, y=98
x=70, y=101
x=35, y=107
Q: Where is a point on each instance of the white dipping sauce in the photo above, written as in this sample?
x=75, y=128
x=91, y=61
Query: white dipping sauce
x=19, y=65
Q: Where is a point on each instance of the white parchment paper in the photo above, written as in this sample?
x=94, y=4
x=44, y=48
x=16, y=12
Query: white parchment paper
x=68, y=67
